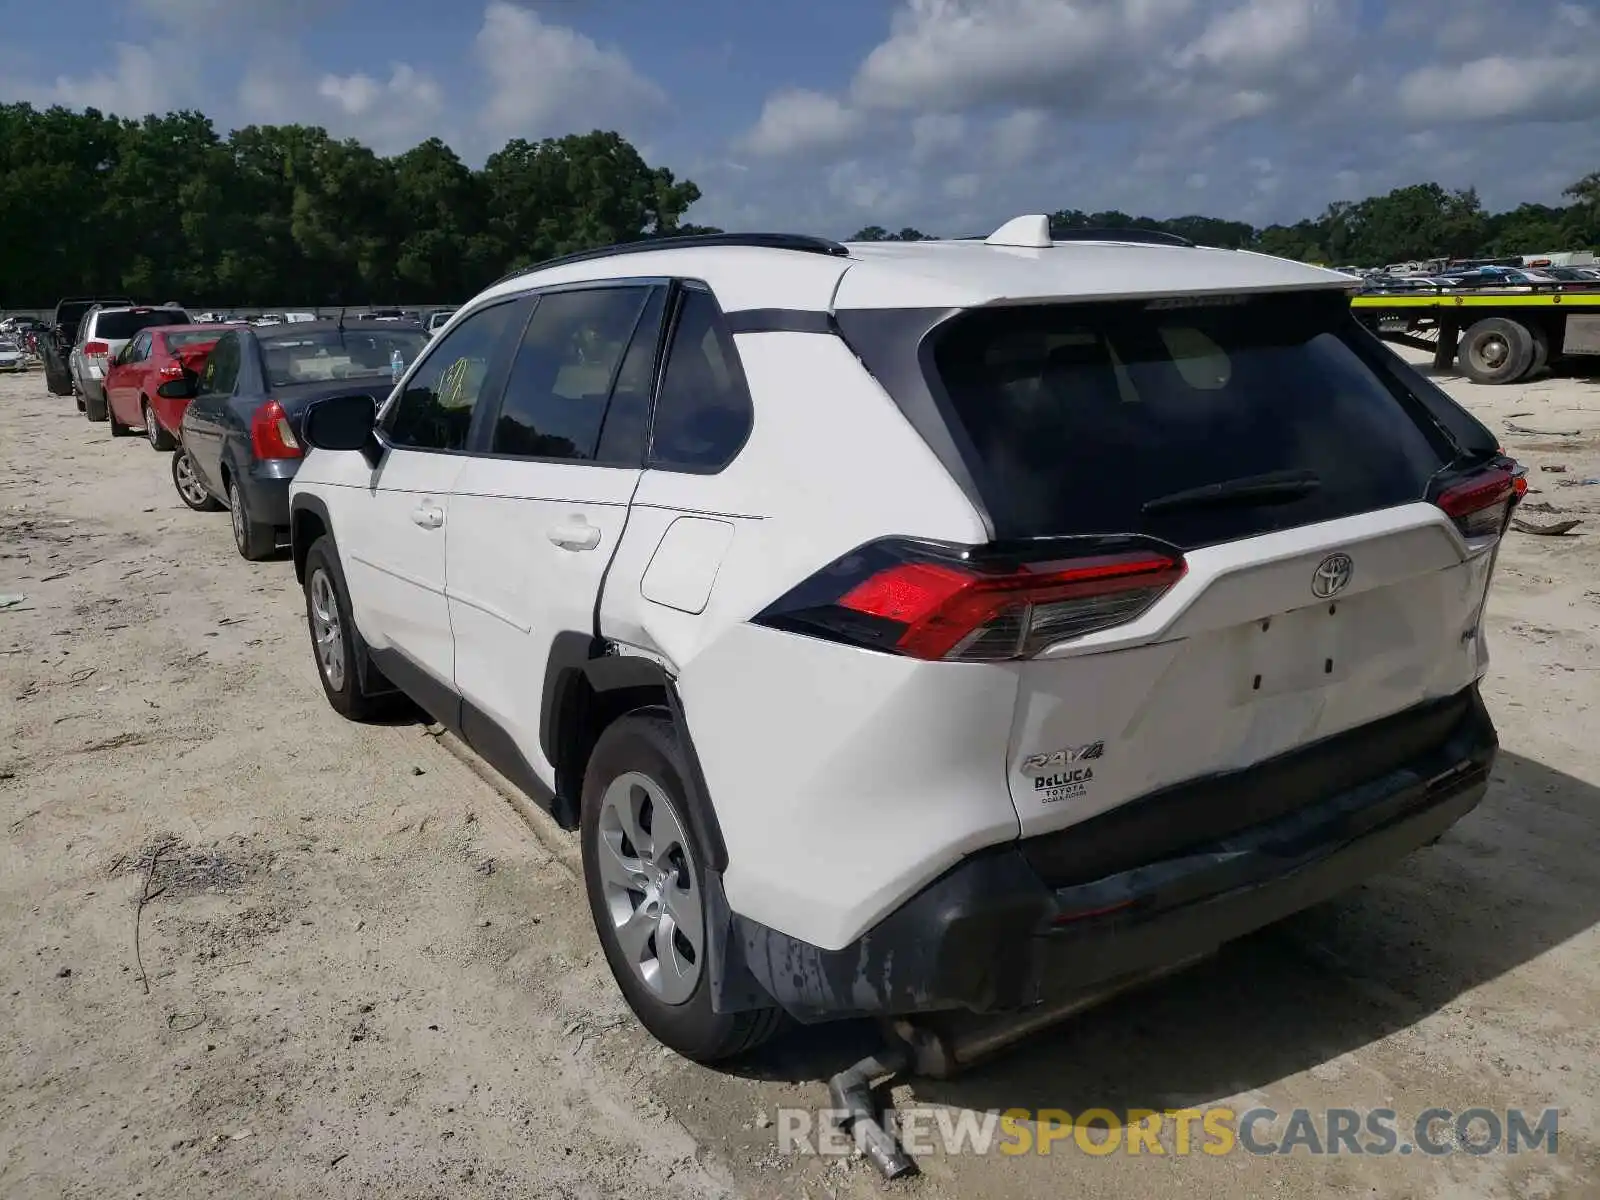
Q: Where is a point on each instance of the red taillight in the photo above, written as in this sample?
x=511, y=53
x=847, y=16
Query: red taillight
x=1479, y=504
x=172, y=370
x=97, y=349
x=270, y=435
x=905, y=599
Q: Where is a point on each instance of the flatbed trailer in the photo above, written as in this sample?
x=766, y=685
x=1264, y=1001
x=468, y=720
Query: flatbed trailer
x=1493, y=335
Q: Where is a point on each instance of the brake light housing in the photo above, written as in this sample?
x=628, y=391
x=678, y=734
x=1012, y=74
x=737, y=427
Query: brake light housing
x=97, y=349
x=271, y=436
x=1480, y=503
x=940, y=602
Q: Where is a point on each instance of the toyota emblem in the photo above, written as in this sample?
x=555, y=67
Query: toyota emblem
x=1332, y=576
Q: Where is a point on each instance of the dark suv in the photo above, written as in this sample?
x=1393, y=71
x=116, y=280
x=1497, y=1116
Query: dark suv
x=56, y=345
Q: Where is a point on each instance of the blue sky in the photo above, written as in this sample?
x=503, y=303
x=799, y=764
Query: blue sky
x=950, y=115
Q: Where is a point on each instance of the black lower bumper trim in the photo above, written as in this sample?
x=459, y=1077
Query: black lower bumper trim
x=991, y=936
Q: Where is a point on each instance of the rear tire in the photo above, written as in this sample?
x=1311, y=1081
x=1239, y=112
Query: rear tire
x=1495, y=350
x=336, y=643
x=155, y=433
x=254, y=540
x=645, y=882
x=190, y=490
x=118, y=429
x=95, y=410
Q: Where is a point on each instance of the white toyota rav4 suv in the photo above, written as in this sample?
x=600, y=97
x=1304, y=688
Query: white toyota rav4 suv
x=922, y=628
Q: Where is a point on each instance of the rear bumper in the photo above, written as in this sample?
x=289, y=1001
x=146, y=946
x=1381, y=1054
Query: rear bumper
x=992, y=936
x=266, y=491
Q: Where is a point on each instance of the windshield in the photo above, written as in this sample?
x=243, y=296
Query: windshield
x=334, y=354
x=120, y=326
x=1079, y=416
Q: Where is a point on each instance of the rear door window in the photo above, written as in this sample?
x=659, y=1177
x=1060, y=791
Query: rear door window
x=572, y=357
x=1094, y=419
x=222, y=368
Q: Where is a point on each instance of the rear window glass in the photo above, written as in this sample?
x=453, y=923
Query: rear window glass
x=198, y=337
x=122, y=325
x=317, y=357
x=1079, y=416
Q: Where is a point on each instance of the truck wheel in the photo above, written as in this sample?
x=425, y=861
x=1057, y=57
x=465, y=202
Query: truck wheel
x=1495, y=350
x=1541, y=351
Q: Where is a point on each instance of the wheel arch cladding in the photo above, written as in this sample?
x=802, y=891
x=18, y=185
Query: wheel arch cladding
x=585, y=690
x=308, y=520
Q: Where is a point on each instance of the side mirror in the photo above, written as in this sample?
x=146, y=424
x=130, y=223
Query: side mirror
x=343, y=423
x=179, y=389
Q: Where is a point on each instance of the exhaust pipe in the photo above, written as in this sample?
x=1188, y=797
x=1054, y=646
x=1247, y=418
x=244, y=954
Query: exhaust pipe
x=944, y=1044
x=940, y=1045
x=850, y=1092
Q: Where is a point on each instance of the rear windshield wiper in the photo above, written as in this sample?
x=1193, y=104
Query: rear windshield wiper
x=1274, y=487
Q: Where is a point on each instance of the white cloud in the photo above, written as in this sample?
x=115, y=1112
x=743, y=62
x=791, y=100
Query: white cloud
x=547, y=80
x=1261, y=34
x=137, y=83
x=1548, y=87
x=389, y=115
x=798, y=121
x=952, y=54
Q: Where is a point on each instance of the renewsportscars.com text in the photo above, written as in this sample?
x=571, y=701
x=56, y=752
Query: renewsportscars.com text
x=1214, y=1131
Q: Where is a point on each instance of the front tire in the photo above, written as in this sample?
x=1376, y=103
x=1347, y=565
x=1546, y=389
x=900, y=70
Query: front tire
x=155, y=433
x=646, y=886
x=254, y=540
x=336, y=643
x=190, y=490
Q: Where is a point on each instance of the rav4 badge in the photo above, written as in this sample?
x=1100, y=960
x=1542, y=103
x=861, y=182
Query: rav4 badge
x=1060, y=758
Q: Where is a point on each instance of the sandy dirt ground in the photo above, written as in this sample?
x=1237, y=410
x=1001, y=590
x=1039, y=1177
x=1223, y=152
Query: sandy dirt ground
x=250, y=950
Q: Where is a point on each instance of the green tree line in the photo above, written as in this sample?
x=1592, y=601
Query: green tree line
x=167, y=207
x=1421, y=221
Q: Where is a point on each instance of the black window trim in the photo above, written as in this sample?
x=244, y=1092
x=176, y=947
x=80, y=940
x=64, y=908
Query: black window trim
x=670, y=329
x=644, y=283
x=499, y=365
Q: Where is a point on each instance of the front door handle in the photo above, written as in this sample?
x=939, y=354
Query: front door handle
x=575, y=534
x=428, y=516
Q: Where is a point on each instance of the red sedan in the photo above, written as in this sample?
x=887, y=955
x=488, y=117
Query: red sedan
x=153, y=357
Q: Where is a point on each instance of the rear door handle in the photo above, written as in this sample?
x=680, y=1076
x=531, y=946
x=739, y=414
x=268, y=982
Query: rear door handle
x=575, y=534
x=428, y=516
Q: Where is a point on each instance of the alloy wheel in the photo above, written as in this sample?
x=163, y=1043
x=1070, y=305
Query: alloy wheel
x=650, y=887
x=188, y=483
x=236, y=514
x=326, y=631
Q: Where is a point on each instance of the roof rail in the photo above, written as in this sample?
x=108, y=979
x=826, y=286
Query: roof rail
x=1154, y=237
x=804, y=243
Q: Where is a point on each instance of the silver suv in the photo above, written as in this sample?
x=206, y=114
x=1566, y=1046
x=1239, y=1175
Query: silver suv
x=101, y=336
